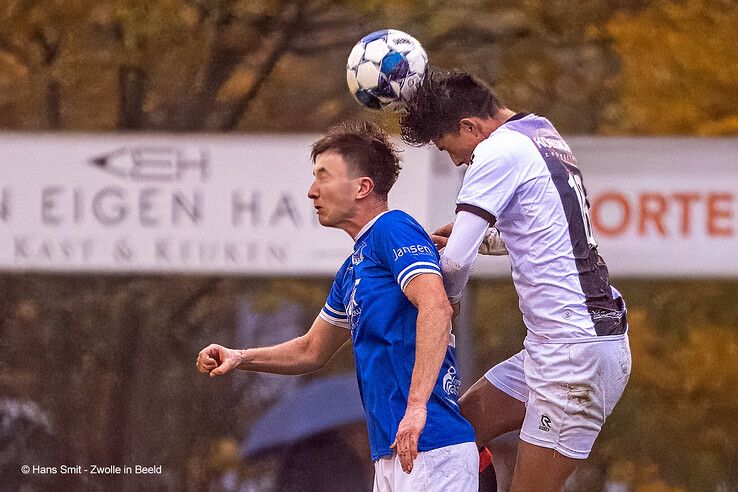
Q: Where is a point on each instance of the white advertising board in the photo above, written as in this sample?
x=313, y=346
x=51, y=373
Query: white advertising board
x=232, y=205
x=238, y=204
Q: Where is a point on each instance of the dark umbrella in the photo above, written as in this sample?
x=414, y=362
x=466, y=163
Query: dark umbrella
x=318, y=406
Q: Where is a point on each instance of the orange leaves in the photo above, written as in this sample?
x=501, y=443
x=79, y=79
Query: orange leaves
x=679, y=74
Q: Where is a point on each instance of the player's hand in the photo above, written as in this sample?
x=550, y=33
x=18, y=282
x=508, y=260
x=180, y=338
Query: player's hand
x=440, y=235
x=492, y=244
x=408, y=433
x=218, y=360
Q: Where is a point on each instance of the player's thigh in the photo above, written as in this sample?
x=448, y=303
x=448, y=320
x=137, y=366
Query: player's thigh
x=541, y=469
x=491, y=411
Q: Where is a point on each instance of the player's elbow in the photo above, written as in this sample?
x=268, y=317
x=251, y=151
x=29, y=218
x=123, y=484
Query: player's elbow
x=313, y=356
x=439, y=309
x=446, y=311
x=455, y=276
x=452, y=268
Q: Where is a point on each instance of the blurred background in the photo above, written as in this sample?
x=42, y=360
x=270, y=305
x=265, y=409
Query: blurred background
x=154, y=164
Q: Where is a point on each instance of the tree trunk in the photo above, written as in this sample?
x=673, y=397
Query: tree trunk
x=53, y=104
x=132, y=84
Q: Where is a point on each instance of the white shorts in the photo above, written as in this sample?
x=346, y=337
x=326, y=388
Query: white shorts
x=568, y=389
x=452, y=468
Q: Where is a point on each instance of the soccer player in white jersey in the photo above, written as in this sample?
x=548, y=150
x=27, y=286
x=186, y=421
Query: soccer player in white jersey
x=523, y=179
x=388, y=298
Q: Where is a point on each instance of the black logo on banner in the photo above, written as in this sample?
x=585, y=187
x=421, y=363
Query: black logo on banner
x=159, y=164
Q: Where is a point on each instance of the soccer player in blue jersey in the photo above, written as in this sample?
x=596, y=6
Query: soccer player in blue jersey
x=522, y=178
x=388, y=298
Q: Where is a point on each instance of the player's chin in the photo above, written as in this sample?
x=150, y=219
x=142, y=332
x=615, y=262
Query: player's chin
x=325, y=220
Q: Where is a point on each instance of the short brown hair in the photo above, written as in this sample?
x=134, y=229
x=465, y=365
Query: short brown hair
x=441, y=101
x=365, y=147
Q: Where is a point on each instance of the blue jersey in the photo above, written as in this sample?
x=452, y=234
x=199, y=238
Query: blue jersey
x=367, y=298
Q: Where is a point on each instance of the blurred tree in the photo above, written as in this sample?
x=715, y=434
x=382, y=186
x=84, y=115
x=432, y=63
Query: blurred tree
x=193, y=65
x=679, y=73
x=676, y=421
x=111, y=359
x=32, y=37
x=541, y=56
x=177, y=65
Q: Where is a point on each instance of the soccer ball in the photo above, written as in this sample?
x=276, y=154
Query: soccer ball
x=384, y=68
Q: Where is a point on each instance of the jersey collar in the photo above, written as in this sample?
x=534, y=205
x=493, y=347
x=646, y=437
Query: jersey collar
x=516, y=116
x=368, y=225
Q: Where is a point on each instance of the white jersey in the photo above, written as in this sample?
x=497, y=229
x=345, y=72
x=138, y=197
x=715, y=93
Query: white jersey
x=524, y=180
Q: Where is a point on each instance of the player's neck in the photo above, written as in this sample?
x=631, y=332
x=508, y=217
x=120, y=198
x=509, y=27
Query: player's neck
x=364, y=215
x=500, y=118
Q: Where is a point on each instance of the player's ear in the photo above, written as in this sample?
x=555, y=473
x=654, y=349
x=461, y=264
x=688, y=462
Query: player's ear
x=365, y=187
x=469, y=125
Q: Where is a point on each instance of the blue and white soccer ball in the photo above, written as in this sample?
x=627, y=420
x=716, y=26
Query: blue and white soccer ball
x=384, y=69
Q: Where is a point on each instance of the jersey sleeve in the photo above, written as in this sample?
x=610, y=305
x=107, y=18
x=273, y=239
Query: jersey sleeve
x=408, y=251
x=490, y=182
x=334, y=311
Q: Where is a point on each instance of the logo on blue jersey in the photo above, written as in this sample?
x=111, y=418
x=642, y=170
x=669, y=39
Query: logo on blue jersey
x=353, y=310
x=358, y=255
x=415, y=249
x=451, y=383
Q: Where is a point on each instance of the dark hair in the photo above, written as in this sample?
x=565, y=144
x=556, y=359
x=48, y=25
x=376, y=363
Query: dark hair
x=367, y=149
x=442, y=100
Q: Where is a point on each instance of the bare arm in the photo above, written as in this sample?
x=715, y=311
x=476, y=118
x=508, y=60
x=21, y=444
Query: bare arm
x=300, y=355
x=431, y=340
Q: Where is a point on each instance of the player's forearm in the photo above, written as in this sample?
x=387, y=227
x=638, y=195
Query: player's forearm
x=431, y=341
x=455, y=277
x=461, y=252
x=292, y=357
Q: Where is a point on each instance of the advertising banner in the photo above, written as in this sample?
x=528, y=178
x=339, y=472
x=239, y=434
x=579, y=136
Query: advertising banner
x=239, y=205
x=192, y=204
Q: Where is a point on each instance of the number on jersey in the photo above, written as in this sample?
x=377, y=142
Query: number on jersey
x=576, y=183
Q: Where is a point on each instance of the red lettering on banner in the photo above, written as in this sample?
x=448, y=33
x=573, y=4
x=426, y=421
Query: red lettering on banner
x=664, y=214
x=653, y=207
x=686, y=200
x=719, y=207
x=617, y=199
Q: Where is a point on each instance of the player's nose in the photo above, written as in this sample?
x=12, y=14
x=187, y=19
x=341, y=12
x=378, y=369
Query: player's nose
x=313, y=191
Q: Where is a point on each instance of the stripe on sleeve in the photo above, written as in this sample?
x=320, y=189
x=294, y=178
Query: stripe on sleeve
x=418, y=264
x=334, y=311
x=341, y=323
x=406, y=280
x=478, y=211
